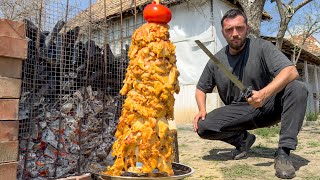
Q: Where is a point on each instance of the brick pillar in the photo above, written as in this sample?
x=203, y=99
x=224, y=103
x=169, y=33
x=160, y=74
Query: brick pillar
x=13, y=50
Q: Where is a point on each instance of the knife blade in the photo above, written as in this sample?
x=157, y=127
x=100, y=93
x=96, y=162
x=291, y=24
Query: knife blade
x=245, y=92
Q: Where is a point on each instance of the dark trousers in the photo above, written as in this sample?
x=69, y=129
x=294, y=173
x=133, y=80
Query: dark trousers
x=229, y=123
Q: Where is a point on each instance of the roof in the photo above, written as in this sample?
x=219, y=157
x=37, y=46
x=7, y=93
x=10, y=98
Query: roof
x=114, y=7
x=109, y=9
x=311, y=44
x=288, y=46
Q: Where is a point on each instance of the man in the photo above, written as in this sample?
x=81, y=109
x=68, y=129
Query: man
x=276, y=97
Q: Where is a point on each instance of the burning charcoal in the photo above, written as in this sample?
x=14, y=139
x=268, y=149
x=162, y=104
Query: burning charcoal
x=50, y=151
x=62, y=170
x=72, y=75
x=72, y=36
x=43, y=124
x=31, y=30
x=66, y=108
x=80, y=68
x=34, y=174
x=53, y=114
x=101, y=153
x=74, y=148
x=79, y=111
x=97, y=106
x=55, y=126
x=23, y=114
x=23, y=145
x=31, y=165
x=67, y=85
x=35, y=133
x=30, y=146
x=90, y=48
x=89, y=91
x=39, y=146
x=49, y=136
x=50, y=38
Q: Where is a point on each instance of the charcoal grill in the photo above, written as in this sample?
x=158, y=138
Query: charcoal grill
x=181, y=171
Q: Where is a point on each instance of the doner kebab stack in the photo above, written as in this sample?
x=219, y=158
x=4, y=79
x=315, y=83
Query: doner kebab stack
x=143, y=141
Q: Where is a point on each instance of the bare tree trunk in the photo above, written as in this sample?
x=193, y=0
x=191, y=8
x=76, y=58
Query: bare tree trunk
x=286, y=12
x=282, y=31
x=253, y=10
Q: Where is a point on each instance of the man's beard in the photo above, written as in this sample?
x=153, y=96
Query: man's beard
x=237, y=46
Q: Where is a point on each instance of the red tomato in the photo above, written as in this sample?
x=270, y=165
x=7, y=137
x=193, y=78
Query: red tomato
x=157, y=13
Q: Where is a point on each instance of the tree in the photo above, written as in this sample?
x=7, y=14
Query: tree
x=305, y=27
x=253, y=10
x=19, y=9
x=286, y=12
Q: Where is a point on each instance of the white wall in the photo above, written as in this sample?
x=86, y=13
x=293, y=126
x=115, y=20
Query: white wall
x=185, y=107
x=191, y=22
x=195, y=21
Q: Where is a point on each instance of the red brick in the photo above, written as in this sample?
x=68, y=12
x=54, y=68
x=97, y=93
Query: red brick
x=10, y=67
x=9, y=109
x=13, y=42
x=8, y=171
x=9, y=130
x=12, y=28
x=8, y=151
x=13, y=47
x=9, y=87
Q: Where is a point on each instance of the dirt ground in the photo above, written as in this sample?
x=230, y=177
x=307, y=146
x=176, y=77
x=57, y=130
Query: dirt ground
x=212, y=159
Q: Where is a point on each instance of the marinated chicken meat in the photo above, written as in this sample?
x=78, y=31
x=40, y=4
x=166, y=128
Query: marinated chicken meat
x=143, y=142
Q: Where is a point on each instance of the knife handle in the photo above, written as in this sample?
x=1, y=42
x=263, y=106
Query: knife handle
x=246, y=93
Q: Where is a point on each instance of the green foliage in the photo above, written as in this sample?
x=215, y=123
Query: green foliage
x=267, y=132
x=311, y=116
x=312, y=178
x=314, y=144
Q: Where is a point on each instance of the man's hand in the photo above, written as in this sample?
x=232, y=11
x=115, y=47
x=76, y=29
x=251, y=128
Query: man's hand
x=257, y=99
x=285, y=76
x=201, y=115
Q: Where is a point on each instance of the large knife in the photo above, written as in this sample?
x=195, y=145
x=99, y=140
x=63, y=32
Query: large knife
x=245, y=92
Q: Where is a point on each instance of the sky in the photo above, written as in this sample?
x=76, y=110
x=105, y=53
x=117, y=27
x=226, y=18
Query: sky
x=271, y=29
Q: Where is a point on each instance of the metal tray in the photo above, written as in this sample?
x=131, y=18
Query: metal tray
x=181, y=171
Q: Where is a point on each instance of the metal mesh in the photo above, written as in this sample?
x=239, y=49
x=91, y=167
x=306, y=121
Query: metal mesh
x=70, y=102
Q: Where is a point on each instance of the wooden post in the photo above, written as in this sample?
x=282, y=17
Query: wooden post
x=306, y=75
x=316, y=82
x=306, y=80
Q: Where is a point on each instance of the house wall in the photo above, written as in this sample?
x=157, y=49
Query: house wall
x=196, y=21
x=313, y=101
x=312, y=84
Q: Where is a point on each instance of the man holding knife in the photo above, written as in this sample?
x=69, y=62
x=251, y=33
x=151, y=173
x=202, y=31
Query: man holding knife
x=275, y=96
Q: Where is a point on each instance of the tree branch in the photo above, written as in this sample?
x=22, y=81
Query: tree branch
x=301, y=5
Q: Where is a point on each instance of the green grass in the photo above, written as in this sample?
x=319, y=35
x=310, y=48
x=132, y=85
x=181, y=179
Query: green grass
x=312, y=152
x=185, y=128
x=267, y=132
x=311, y=116
x=313, y=144
x=261, y=147
x=183, y=145
x=312, y=178
x=208, y=177
x=237, y=171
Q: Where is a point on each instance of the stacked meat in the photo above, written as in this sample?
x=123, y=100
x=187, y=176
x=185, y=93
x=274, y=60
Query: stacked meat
x=143, y=138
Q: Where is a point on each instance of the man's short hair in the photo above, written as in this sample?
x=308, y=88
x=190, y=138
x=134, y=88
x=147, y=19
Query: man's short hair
x=232, y=13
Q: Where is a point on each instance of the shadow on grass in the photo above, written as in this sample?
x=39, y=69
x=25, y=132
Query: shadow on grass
x=255, y=152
